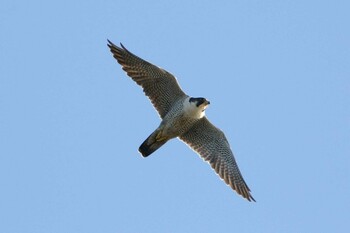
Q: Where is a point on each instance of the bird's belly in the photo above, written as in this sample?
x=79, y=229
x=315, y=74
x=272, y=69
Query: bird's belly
x=178, y=126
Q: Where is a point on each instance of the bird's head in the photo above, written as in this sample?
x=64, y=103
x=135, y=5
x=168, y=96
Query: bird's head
x=196, y=106
x=200, y=102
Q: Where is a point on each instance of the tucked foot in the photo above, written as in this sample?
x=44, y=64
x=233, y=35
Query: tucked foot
x=160, y=138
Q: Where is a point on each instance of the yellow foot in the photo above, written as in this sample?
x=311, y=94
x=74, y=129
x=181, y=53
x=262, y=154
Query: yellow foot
x=159, y=137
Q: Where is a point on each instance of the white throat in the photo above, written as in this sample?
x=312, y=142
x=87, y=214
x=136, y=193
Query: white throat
x=191, y=109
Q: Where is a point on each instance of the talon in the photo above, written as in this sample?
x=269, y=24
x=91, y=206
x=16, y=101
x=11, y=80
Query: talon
x=159, y=137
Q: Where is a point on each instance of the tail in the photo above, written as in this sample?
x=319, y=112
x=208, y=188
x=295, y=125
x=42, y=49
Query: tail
x=150, y=145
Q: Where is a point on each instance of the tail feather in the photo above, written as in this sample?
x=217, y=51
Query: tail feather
x=150, y=145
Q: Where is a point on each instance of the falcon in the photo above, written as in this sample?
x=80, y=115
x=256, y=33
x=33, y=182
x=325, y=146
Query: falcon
x=182, y=117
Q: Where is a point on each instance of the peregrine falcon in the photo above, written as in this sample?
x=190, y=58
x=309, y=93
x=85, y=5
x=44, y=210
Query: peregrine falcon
x=182, y=117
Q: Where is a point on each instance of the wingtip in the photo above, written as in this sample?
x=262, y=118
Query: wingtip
x=124, y=48
x=111, y=44
x=251, y=198
x=247, y=195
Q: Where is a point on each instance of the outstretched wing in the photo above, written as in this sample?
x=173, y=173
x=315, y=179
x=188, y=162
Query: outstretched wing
x=159, y=85
x=211, y=144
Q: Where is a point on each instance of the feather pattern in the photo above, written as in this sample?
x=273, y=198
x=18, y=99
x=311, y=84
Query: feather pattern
x=164, y=92
x=211, y=144
x=160, y=86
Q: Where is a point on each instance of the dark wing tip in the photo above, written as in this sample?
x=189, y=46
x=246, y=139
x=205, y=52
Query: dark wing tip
x=122, y=48
x=110, y=44
x=250, y=198
x=244, y=191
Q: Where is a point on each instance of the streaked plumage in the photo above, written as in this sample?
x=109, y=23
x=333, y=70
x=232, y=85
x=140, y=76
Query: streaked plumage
x=183, y=117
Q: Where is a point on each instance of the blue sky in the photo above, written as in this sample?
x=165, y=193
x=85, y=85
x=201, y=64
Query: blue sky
x=277, y=76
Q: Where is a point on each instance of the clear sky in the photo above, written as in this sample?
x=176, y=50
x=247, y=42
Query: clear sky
x=277, y=74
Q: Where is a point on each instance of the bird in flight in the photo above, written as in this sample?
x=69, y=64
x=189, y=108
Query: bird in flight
x=182, y=117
